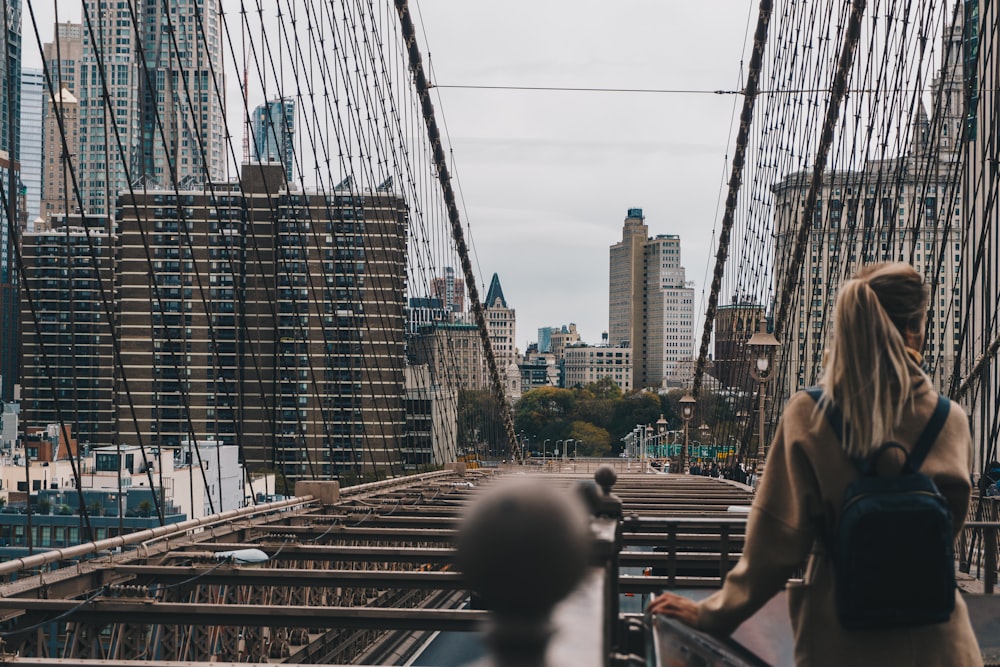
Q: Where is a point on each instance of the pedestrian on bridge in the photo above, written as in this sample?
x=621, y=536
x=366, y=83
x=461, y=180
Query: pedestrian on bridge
x=872, y=372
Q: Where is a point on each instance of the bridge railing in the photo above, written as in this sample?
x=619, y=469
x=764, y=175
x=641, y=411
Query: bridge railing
x=679, y=551
x=699, y=551
x=144, y=539
x=977, y=545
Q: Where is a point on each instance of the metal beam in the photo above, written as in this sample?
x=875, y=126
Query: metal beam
x=149, y=612
x=110, y=662
x=328, y=553
x=205, y=574
x=332, y=532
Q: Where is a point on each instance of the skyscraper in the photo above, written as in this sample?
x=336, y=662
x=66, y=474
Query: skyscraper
x=32, y=105
x=274, y=134
x=183, y=128
x=60, y=159
x=905, y=208
x=166, y=125
x=450, y=290
x=10, y=113
x=626, y=286
x=68, y=352
x=109, y=133
x=979, y=371
x=253, y=328
x=669, y=315
x=651, y=305
x=63, y=56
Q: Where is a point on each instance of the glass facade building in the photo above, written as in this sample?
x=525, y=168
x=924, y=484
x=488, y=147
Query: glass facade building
x=10, y=113
x=274, y=134
x=32, y=108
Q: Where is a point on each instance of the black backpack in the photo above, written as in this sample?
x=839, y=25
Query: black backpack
x=893, y=550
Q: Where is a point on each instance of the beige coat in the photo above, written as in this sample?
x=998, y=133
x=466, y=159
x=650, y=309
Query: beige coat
x=801, y=489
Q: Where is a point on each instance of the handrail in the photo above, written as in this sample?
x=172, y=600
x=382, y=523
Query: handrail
x=989, y=552
x=168, y=531
x=726, y=524
x=402, y=480
x=148, y=535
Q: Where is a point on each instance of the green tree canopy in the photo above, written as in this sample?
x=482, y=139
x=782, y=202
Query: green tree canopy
x=545, y=413
x=591, y=440
x=638, y=408
x=599, y=415
x=595, y=403
x=480, y=423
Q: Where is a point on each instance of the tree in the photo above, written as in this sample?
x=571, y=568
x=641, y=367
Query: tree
x=480, y=423
x=605, y=388
x=591, y=440
x=595, y=403
x=545, y=413
x=641, y=407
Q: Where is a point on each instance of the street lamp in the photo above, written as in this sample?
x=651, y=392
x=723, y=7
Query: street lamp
x=566, y=448
x=687, y=412
x=763, y=344
x=545, y=448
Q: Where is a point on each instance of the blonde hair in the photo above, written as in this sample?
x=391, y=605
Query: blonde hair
x=868, y=372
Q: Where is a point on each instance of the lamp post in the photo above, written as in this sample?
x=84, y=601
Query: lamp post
x=661, y=436
x=566, y=448
x=545, y=448
x=705, y=431
x=687, y=412
x=762, y=344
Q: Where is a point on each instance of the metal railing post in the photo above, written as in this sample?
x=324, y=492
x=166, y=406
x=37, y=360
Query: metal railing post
x=989, y=558
x=723, y=551
x=672, y=555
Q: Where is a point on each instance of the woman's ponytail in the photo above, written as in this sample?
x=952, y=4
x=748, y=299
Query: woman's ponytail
x=868, y=373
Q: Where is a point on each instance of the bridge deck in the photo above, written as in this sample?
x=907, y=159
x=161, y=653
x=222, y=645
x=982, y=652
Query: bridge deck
x=368, y=577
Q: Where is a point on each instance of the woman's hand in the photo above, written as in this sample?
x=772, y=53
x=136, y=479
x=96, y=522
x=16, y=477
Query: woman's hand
x=683, y=609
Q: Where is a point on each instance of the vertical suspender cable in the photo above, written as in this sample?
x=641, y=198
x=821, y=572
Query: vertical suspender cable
x=434, y=136
x=837, y=93
x=735, y=181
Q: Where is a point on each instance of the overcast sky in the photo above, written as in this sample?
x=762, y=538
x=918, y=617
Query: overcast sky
x=547, y=177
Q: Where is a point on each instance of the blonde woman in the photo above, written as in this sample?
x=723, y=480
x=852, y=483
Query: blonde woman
x=872, y=373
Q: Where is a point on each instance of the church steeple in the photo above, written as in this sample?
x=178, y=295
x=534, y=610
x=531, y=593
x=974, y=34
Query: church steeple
x=495, y=293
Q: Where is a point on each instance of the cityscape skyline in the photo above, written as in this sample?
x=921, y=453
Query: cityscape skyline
x=548, y=240
x=148, y=153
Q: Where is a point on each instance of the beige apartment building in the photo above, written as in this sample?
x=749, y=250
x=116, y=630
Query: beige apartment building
x=651, y=305
x=271, y=318
x=584, y=364
x=978, y=379
x=906, y=208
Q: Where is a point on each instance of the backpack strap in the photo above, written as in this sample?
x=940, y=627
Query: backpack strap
x=833, y=414
x=929, y=435
x=920, y=449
